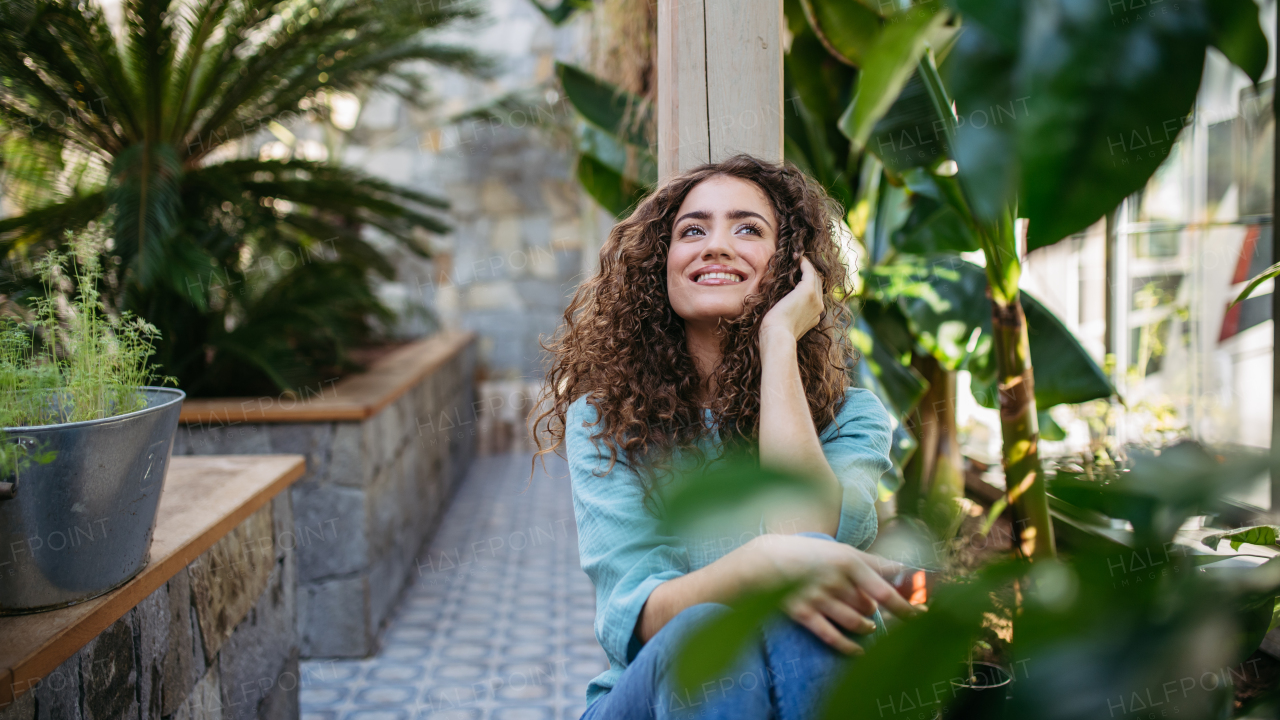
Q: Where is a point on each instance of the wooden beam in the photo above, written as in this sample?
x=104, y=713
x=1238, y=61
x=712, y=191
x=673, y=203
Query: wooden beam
x=719, y=81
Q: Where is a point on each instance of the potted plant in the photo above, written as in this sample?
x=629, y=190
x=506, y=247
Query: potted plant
x=85, y=441
x=981, y=691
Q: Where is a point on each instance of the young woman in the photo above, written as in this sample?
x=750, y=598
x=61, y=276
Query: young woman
x=712, y=321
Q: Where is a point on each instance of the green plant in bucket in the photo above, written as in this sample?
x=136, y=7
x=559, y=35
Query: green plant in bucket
x=70, y=358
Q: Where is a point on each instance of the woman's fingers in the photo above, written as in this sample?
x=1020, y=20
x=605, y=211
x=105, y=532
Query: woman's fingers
x=854, y=598
x=819, y=625
x=840, y=613
x=871, y=584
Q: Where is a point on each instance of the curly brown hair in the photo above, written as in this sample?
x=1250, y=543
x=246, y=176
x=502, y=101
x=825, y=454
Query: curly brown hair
x=624, y=347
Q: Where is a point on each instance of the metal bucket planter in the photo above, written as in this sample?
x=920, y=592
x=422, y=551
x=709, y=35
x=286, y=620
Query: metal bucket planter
x=80, y=525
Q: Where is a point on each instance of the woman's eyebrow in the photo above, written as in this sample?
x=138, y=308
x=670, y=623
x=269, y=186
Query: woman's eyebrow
x=740, y=214
x=695, y=214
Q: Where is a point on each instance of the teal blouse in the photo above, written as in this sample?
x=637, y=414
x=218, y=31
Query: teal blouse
x=625, y=554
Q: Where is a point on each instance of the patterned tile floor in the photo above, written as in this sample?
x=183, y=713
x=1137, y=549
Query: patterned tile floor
x=497, y=623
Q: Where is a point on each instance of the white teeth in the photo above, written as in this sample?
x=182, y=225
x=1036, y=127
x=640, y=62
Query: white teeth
x=718, y=276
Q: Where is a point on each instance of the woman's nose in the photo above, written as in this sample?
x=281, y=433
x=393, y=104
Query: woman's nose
x=717, y=246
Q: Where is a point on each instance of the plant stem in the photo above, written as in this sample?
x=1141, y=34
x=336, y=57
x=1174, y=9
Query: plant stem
x=1024, y=479
x=933, y=481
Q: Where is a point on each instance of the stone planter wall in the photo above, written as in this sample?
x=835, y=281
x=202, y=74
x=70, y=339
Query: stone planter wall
x=218, y=641
x=374, y=486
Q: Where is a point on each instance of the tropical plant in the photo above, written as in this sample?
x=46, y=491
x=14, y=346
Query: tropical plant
x=1139, y=621
x=923, y=313
x=254, y=269
x=1024, y=121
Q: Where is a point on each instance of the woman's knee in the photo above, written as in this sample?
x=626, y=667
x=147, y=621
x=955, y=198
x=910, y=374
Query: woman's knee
x=786, y=639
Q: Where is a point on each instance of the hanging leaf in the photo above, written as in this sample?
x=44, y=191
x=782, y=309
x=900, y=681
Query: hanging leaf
x=848, y=29
x=627, y=160
x=1262, y=277
x=1255, y=535
x=611, y=108
x=945, y=301
x=1066, y=109
x=933, y=227
x=887, y=65
x=614, y=192
x=559, y=14
x=817, y=89
x=910, y=135
x=902, y=385
x=1065, y=372
x=1234, y=29
x=1049, y=428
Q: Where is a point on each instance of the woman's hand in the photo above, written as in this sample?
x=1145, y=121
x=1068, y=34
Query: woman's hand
x=798, y=311
x=840, y=586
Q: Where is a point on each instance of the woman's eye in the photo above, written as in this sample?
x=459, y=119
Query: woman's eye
x=753, y=228
x=690, y=229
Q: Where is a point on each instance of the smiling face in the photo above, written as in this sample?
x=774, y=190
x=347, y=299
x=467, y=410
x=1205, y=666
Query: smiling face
x=724, y=235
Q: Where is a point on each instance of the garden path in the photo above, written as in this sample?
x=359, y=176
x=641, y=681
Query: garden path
x=497, y=623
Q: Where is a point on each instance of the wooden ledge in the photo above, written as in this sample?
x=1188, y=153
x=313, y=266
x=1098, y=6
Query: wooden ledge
x=204, y=498
x=354, y=398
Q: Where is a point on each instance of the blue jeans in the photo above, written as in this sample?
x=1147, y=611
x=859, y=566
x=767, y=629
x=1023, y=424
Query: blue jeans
x=781, y=675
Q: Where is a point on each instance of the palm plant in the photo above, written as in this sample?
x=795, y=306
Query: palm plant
x=253, y=269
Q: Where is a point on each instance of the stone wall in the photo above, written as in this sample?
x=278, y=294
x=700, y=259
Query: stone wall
x=524, y=231
x=370, y=498
x=217, y=642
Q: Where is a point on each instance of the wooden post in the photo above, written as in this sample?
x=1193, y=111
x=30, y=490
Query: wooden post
x=719, y=81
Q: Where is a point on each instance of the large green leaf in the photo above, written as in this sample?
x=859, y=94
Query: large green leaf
x=945, y=301
x=730, y=490
x=933, y=227
x=910, y=134
x=560, y=13
x=848, y=29
x=1049, y=428
x=1064, y=371
x=612, y=190
x=611, y=108
x=626, y=160
x=1075, y=110
x=883, y=340
x=1234, y=29
x=712, y=648
x=817, y=88
x=1254, y=535
x=887, y=65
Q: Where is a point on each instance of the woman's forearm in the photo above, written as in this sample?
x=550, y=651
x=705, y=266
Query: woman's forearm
x=788, y=439
x=719, y=582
